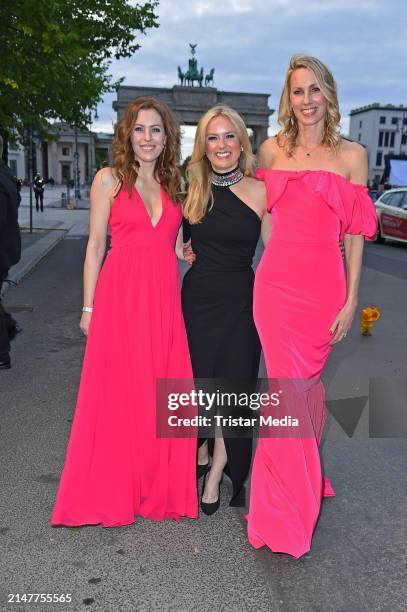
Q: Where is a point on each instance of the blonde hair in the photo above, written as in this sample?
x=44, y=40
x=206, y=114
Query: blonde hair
x=287, y=136
x=199, y=171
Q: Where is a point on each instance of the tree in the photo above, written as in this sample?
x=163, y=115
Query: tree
x=55, y=56
x=184, y=167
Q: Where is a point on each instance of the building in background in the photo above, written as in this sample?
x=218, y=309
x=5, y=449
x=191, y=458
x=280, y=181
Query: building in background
x=103, y=149
x=189, y=102
x=55, y=157
x=382, y=129
x=16, y=160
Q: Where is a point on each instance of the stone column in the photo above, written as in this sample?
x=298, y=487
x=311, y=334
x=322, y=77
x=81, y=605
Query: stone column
x=53, y=161
x=259, y=136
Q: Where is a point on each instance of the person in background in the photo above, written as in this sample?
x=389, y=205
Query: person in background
x=10, y=252
x=39, y=192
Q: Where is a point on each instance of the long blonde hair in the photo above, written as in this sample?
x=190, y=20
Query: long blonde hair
x=125, y=168
x=287, y=137
x=199, y=169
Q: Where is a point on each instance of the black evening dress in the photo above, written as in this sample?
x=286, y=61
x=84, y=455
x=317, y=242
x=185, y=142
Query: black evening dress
x=217, y=302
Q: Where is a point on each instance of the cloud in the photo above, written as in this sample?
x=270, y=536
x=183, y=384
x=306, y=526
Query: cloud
x=249, y=42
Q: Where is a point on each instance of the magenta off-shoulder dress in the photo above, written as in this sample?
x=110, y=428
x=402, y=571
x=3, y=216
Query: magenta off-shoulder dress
x=300, y=287
x=116, y=467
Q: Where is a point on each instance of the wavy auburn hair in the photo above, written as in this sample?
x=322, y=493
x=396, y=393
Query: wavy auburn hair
x=287, y=136
x=125, y=167
x=199, y=169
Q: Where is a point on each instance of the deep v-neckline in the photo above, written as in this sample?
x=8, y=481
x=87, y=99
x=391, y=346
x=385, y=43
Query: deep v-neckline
x=153, y=225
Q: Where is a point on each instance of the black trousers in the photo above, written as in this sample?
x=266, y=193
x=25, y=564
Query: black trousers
x=6, y=322
x=39, y=199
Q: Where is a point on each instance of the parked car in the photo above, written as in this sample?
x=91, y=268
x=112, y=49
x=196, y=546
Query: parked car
x=391, y=210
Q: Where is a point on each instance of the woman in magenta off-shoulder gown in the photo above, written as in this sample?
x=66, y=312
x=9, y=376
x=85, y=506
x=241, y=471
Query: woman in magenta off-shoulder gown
x=116, y=467
x=304, y=302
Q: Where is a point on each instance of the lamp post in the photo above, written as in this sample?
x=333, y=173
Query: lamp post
x=92, y=162
x=29, y=145
x=76, y=169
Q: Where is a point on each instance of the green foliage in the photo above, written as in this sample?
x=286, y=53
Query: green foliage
x=55, y=56
x=102, y=158
x=184, y=167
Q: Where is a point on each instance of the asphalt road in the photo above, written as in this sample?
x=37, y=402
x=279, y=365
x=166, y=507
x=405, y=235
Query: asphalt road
x=358, y=558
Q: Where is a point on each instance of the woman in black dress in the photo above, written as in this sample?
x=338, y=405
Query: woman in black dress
x=226, y=210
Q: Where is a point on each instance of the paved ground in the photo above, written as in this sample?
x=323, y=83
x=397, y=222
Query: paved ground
x=48, y=229
x=358, y=559
x=53, y=197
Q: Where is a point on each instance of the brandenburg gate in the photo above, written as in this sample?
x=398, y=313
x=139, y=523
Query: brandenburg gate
x=189, y=102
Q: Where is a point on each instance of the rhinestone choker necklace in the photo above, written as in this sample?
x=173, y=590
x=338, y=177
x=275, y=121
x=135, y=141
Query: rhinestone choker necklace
x=228, y=178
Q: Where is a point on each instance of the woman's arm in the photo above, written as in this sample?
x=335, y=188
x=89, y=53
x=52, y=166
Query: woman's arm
x=357, y=160
x=183, y=249
x=179, y=245
x=100, y=202
x=266, y=228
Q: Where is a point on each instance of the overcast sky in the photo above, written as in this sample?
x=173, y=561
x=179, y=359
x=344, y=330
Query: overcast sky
x=249, y=43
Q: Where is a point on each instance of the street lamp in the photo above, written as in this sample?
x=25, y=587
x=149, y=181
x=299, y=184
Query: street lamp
x=92, y=162
x=76, y=169
x=31, y=141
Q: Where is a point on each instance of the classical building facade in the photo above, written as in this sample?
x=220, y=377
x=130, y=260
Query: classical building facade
x=382, y=129
x=189, y=103
x=16, y=160
x=55, y=157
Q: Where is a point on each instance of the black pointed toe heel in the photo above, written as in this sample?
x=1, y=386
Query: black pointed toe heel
x=212, y=507
x=201, y=469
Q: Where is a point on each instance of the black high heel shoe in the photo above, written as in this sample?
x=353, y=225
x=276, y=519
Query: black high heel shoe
x=201, y=469
x=212, y=507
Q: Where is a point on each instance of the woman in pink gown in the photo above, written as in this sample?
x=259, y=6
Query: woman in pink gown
x=116, y=467
x=304, y=301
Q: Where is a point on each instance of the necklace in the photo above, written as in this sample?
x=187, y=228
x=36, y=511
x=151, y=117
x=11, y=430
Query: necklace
x=308, y=150
x=227, y=178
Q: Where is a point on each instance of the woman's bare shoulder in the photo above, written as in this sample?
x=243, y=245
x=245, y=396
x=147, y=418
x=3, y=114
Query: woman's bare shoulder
x=106, y=177
x=256, y=190
x=354, y=157
x=270, y=144
x=268, y=151
x=255, y=184
x=352, y=151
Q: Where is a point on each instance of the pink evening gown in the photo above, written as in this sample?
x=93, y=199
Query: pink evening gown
x=300, y=287
x=116, y=467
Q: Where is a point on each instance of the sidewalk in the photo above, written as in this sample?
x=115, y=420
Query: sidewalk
x=49, y=228
x=53, y=196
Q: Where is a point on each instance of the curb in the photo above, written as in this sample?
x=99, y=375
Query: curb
x=32, y=256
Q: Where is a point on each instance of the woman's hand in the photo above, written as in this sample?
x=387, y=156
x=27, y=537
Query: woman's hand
x=343, y=322
x=85, y=322
x=189, y=255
